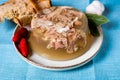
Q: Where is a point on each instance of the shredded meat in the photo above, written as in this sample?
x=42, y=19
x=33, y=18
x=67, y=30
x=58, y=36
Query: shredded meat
x=63, y=27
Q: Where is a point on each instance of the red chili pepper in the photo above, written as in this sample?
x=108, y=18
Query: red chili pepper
x=23, y=32
x=23, y=46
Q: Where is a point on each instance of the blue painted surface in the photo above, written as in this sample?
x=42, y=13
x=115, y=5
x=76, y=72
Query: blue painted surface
x=105, y=66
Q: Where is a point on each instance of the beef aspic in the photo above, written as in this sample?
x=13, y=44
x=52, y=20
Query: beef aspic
x=62, y=27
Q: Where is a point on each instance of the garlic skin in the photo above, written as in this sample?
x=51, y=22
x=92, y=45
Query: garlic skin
x=96, y=7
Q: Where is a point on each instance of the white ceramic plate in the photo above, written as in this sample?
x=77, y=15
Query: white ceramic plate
x=44, y=63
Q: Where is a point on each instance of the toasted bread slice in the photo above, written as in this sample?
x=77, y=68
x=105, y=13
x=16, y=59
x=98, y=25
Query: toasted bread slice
x=20, y=11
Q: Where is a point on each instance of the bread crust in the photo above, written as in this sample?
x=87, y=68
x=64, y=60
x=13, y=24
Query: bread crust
x=40, y=4
x=21, y=11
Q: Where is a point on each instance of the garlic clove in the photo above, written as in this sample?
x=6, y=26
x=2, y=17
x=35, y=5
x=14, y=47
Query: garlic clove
x=96, y=7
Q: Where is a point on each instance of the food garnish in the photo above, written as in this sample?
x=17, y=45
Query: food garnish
x=94, y=21
x=20, y=39
x=23, y=47
x=23, y=32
